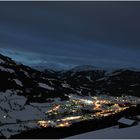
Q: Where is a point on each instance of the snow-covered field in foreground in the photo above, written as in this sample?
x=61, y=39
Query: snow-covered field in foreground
x=111, y=133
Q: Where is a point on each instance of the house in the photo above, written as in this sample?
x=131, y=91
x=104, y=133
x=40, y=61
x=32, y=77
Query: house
x=124, y=122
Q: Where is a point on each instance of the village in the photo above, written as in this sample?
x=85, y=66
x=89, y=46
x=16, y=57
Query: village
x=78, y=109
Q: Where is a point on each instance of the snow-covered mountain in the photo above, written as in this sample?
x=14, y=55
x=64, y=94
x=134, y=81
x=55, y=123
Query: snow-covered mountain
x=26, y=94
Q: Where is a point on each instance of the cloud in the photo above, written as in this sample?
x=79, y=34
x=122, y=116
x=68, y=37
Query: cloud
x=100, y=56
x=72, y=33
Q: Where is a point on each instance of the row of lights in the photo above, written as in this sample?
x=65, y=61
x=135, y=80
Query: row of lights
x=97, y=105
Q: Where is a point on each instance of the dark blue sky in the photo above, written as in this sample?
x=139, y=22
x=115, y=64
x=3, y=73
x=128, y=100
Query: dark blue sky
x=104, y=34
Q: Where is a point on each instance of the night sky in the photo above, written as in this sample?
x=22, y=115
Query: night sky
x=65, y=34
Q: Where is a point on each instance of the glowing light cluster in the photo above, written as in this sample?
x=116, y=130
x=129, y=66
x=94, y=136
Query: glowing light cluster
x=89, y=102
x=77, y=109
x=43, y=123
x=54, y=109
x=71, y=118
x=64, y=124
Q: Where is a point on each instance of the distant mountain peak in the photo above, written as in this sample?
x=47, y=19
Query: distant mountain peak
x=85, y=68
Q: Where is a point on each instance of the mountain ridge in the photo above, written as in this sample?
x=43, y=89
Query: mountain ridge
x=27, y=94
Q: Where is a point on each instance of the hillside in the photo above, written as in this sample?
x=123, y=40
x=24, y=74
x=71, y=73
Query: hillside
x=31, y=99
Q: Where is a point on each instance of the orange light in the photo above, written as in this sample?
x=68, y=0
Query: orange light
x=54, y=109
x=71, y=118
x=65, y=124
x=43, y=123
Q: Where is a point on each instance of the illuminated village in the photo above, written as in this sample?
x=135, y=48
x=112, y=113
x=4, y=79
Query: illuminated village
x=78, y=109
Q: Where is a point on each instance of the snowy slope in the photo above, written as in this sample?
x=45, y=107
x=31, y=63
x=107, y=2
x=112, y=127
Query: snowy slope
x=111, y=133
